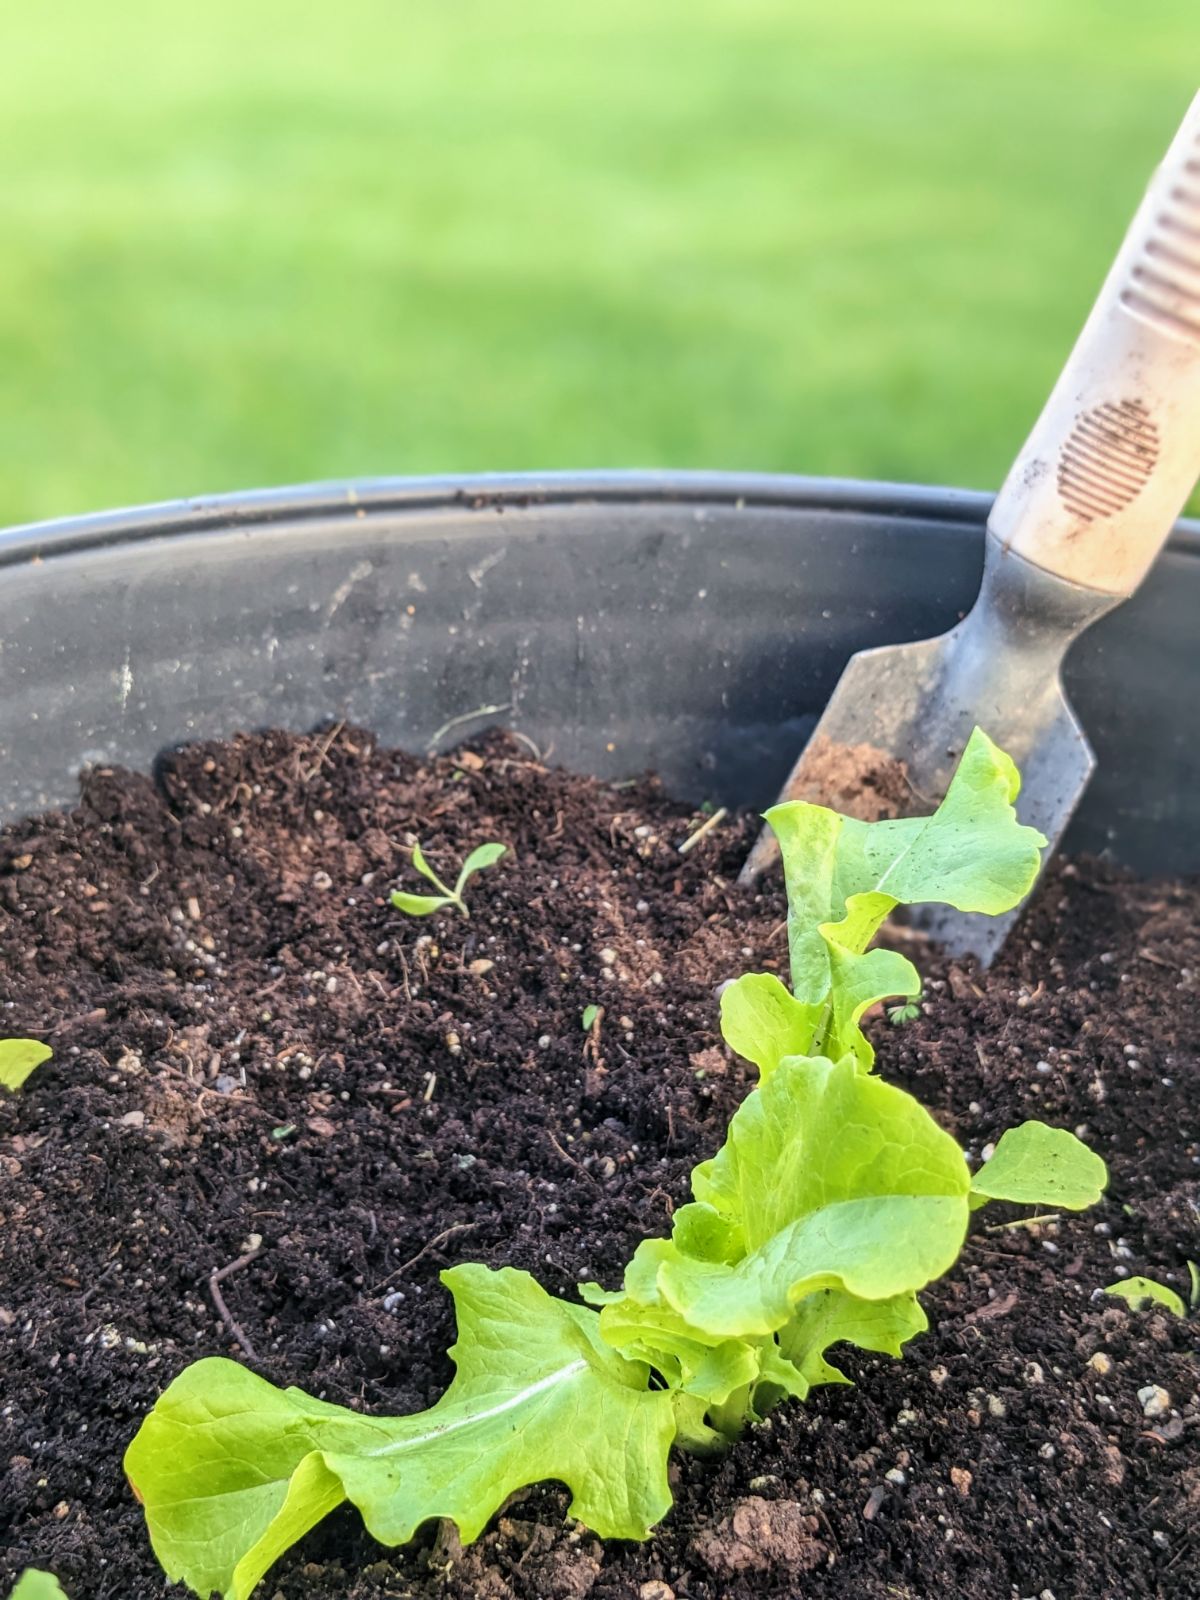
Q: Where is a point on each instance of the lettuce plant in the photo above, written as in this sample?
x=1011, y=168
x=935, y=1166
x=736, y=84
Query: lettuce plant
x=424, y=905
x=835, y=1199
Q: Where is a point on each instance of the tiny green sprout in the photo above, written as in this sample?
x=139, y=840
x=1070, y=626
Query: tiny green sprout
x=1143, y=1292
x=1194, y=1277
x=35, y=1585
x=424, y=905
x=590, y=1013
x=908, y=1012
x=18, y=1058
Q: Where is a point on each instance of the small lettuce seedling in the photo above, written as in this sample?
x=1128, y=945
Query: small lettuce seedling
x=906, y=1011
x=18, y=1058
x=835, y=1199
x=35, y=1585
x=424, y=905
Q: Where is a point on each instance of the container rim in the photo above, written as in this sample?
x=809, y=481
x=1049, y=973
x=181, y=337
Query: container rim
x=258, y=508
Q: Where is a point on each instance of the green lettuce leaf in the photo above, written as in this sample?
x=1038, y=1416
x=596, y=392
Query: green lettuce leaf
x=419, y=905
x=845, y=877
x=1141, y=1292
x=830, y=1316
x=18, y=1058
x=834, y=1198
x=828, y=1179
x=35, y=1585
x=687, y=1358
x=483, y=855
x=1041, y=1166
x=764, y=1022
x=232, y=1471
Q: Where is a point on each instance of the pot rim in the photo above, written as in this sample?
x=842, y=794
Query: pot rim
x=246, y=510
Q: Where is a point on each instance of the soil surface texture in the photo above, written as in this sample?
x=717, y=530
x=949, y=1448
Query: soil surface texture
x=249, y=1041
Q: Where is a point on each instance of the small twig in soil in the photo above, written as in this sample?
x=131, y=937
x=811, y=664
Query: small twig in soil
x=1024, y=1222
x=326, y=746
x=93, y=1287
x=215, y=1279
x=617, y=816
x=833, y=1538
x=465, y=716
x=705, y=828
x=568, y=1158
x=1012, y=1256
x=404, y=971
x=523, y=738
x=438, y=1239
x=98, y=1014
x=1156, y=960
x=1186, y=1540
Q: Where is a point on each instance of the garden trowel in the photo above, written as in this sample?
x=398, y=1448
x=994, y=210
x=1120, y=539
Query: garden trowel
x=1081, y=516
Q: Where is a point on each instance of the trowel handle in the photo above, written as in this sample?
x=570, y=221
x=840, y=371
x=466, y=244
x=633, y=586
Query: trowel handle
x=1116, y=452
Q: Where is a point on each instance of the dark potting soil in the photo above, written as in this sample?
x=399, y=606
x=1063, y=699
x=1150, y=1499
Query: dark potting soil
x=249, y=1040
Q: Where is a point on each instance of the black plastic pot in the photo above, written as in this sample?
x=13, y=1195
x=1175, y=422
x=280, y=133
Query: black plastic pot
x=692, y=623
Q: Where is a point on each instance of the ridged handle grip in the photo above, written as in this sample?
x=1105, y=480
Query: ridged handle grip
x=1116, y=452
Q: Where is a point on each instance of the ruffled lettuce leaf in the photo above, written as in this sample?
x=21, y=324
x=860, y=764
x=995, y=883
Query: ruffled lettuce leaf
x=830, y=1316
x=764, y=1022
x=845, y=877
x=828, y=1179
x=833, y=1200
x=233, y=1471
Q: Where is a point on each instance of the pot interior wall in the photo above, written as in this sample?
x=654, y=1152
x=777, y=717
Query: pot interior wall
x=690, y=624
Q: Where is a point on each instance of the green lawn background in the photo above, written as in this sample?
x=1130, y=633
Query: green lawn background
x=248, y=243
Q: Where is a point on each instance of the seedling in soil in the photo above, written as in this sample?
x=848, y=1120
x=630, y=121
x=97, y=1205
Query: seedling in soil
x=833, y=1202
x=1144, y=1292
x=35, y=1585
x=424, y=905
x=909, y=1011
x=18, y=1058
x=590, y=1013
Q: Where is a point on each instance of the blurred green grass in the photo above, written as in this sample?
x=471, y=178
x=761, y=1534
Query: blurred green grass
x=256, y=244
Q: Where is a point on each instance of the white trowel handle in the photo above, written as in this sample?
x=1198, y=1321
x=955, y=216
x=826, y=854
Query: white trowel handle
x=1115, y=454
